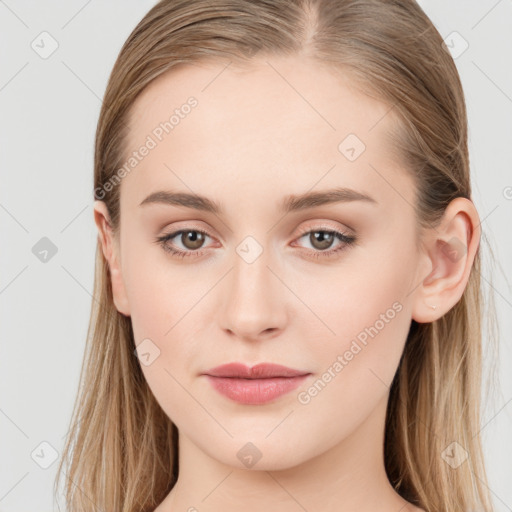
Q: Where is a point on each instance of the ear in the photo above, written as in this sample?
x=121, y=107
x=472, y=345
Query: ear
x=110, y=247
x=448, y=253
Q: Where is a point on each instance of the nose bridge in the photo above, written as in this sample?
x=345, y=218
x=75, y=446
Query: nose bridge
x=254, y=297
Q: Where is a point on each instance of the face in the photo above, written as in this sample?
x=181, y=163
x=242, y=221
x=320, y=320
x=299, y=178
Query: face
x=323, y=286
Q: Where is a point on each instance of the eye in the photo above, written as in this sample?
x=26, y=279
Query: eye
x=192, y=241
x=322, y=239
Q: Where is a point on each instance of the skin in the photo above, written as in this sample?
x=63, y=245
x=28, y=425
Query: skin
x=254, y=139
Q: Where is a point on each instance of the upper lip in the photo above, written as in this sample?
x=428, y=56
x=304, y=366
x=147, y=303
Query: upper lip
x=260, y=371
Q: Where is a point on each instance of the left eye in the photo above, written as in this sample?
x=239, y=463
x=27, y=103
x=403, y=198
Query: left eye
x=192, y=241
x=322, y=239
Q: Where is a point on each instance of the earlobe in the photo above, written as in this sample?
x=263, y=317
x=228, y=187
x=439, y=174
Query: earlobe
x=451, y=250
x=110, y=251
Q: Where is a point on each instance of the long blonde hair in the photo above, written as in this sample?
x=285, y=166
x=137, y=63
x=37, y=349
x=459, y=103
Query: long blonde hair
x=121, y=451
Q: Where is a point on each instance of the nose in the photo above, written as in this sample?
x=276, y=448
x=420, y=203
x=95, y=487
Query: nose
x=255, y=303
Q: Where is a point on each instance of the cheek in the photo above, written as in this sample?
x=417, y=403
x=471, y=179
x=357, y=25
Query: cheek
x=162, y=309
x=161, y=303
x=165, y=309
x=355, y=364
x=160, y=292
x=361, y=316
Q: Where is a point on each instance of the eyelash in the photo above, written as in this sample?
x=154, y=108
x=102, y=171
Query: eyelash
x=346, y=239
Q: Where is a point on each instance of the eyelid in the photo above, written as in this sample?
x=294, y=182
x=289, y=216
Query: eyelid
x=325, y=226
x=322, y=226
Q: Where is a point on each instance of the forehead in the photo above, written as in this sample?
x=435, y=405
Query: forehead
x=283, y=122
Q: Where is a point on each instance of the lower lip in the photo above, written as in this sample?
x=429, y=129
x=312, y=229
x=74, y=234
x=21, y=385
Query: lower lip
x=255, y=391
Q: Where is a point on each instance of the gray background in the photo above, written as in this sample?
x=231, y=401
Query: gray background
x=49, y=109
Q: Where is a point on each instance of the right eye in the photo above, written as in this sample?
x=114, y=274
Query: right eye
x=191, y=239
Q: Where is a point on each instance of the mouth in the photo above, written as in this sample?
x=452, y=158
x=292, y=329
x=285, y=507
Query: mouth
x=260, y=384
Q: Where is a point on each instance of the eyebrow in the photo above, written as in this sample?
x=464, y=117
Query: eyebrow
x=290, y=203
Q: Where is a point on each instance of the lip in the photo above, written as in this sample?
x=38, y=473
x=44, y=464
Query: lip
x=259, y=371
x=257, y=385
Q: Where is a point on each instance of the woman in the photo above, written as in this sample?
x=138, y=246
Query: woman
x=288, y=301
